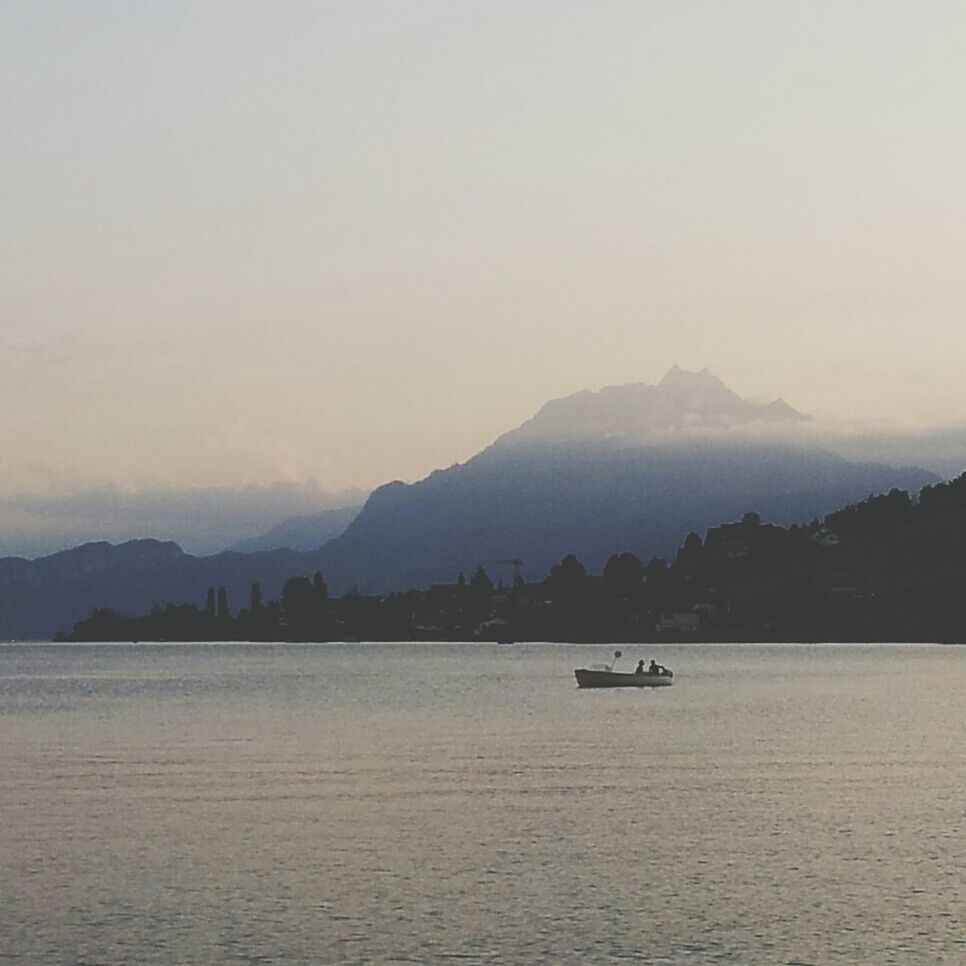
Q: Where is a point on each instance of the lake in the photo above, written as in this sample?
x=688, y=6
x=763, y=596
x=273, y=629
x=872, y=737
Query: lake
x=232, y=803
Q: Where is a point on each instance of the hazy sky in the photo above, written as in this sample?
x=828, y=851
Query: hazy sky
x=247, y=242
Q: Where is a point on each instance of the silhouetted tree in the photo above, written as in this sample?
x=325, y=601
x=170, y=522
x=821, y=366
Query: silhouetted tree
x=873, y=514
x=623, y=575
x=479, y=592
x=656, y=581
x=298, y=605
x=271, y=620
x=943, y=497
x=223, y=613
x=897, y=573
x=567, y=585
x=320, y=618
x=480, y=582
x=689, y=556
x=568, y=575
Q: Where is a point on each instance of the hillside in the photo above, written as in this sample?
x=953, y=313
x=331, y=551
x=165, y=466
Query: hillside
x=633, y=467
x=307, y=532
x=40, y=597
x=887, y=569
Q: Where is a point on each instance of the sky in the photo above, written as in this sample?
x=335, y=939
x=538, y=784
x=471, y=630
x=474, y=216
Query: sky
x=320, y=245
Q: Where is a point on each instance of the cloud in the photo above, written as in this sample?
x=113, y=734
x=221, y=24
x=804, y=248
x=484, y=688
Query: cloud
x=940, y=450
x=201, y=519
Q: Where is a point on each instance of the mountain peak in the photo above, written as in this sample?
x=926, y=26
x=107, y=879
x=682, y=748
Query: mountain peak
x=682, y=402
x=678, y=375
x=701, y=391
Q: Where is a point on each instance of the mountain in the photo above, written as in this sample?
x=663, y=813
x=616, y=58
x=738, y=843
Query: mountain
x=40, y=597
x=302, y=532
x=682, y=402
x=938, y=448
x=201, y=520
x=885, y=569
x=627, y=468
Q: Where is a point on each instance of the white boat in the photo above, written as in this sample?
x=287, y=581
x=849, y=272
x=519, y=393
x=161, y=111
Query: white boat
x=588, y=678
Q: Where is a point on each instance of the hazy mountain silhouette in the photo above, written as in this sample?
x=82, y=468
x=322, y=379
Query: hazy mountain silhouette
x=202, y=520
x=938, y=448
x=681, y=402
x=40, y=597
x=627, y=468
x=307, y=532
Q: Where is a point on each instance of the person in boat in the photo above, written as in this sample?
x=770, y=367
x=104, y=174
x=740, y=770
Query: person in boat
x=640, y=667
x=654, y=667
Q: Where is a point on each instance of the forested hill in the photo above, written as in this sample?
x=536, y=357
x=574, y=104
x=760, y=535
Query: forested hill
x=887, y=569
x=39, y=597
x=631, y=468
x=637, y=465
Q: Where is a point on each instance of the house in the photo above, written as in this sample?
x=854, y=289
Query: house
x=687, y=622
x=728, y=541
x=825, y=538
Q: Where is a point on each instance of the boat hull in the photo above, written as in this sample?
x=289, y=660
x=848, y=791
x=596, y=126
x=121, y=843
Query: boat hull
x=587, y=678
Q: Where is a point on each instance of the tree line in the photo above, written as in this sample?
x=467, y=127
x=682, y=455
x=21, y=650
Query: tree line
x=892, y=567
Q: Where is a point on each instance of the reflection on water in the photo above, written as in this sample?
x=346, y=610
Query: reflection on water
x=412, y=803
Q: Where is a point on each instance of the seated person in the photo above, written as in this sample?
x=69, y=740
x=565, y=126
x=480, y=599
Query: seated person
x=640, y=667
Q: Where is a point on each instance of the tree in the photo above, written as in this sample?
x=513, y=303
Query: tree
x=690, y=553
x=210, y=603
x=298, y=600
x=572, y=597
x=319, y=618
x=623, y=575
x=479, y=591
x=480, y=582
x=655, y=580
x=569, y=574
x=223, y=612
x=256, y=597
x=874, y=514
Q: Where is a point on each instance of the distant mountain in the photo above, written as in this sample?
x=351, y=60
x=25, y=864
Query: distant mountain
x=628, y=468
x=681, y=402
x=302, y=532
x=885, y=569
x=40, y=597
x=938, y=448
x=201, y=520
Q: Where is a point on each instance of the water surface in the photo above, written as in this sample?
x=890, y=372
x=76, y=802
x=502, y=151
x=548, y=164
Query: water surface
x=431, y=802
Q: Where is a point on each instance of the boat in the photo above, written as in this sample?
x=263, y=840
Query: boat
x=589, y=678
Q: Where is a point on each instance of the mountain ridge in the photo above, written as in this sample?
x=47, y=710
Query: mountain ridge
x=681, y=400
x=307, y=531
x=39, y=597
x=630, y=468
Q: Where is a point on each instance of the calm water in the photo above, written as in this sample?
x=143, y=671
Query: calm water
x=414, y=803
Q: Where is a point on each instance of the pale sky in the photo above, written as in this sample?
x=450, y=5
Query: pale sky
x=244, y=243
